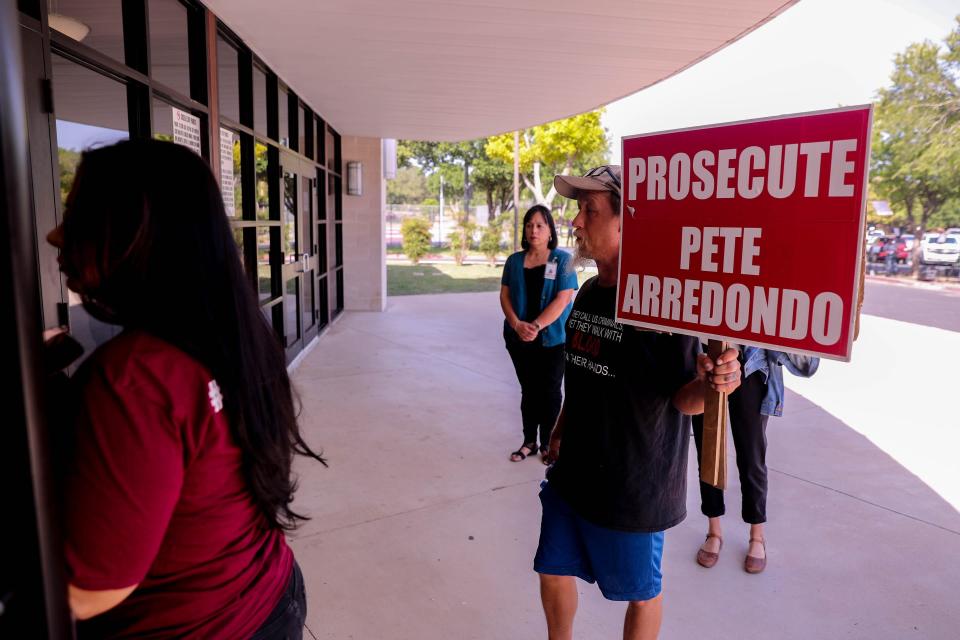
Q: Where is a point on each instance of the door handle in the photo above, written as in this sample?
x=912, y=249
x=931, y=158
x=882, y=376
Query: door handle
x=304, y=263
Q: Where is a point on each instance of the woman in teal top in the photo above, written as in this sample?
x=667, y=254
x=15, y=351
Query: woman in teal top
x=536, y=293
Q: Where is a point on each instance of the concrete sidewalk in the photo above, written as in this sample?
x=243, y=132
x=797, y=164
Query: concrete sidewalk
x=423, y=529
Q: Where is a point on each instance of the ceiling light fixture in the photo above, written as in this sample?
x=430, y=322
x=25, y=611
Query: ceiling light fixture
x=70, y=27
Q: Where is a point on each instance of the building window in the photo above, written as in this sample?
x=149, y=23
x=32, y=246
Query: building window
x=301, y=130
x=339, y=290
x=259, y=101
x=283, y=111
x=290, y=240
x=169, y=44
x=324, y=310
x=309, y=282
x=264, y=269
x=98, y=25
x=238, y=238
x=262, y=162
x=291, y=312
x=308, y=135
x=328, y=147
x=91, y=112
x=228, y=81
x=339, y=241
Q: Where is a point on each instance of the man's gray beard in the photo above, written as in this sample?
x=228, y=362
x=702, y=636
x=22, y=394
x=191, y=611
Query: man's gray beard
x=581, y=255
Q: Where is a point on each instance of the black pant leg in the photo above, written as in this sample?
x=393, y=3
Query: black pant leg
x=711, y=498
x=524, y=364
x=749, y=430
x=288, y=617
x=552, y=360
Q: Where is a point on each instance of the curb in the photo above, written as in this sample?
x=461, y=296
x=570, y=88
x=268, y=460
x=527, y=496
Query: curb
x=913, y=282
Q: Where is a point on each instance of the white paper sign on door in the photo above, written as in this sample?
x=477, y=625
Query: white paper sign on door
x=186, y=130
x=226, y=171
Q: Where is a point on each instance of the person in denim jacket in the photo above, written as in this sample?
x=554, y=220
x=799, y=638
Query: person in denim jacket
x=760, y=396
x=536, y=292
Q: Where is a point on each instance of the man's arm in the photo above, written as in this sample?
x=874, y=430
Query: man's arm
x=722, y=375
x=557, y=434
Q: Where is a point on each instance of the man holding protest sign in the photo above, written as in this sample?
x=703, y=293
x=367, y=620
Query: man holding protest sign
x=620, y=476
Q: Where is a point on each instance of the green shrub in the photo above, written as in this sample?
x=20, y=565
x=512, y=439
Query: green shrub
x=491, y=238
x=461, y=240
x=416, y=238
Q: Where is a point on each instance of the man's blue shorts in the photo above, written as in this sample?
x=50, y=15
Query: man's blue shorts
x=625, y=565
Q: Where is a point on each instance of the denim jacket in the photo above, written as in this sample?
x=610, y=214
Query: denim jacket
x=566, y=278
x=769, y=362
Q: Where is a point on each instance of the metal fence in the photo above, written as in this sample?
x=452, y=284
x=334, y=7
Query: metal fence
x=442, y=223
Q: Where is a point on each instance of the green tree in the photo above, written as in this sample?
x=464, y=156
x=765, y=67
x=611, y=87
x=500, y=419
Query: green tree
x=409, y=187
x=416, y=238
x=916, y=136
x=495, y=179
x=558, y=147
x=461, y=162
x=68, y=170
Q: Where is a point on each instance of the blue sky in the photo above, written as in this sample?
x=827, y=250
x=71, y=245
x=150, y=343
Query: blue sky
x=818, y=54
x=79, y=137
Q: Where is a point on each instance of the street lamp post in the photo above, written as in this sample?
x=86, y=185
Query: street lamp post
x=516, y=189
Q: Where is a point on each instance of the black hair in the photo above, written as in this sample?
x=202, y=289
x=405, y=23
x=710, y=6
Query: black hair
x=545, y=212
x=147, y=220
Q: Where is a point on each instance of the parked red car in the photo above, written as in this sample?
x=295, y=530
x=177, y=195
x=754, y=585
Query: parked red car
x=880, y=249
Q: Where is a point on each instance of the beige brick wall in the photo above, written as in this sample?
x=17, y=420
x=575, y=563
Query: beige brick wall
x=364, y=254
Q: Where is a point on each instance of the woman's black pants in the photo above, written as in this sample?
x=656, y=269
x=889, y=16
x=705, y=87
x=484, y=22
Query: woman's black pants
x=540, y=372
x=749, y=430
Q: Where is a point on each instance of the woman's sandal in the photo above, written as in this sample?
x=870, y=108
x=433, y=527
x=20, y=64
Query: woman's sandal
x=519, y=455
x=752, y=564
x=707, y=559
x=545, y=456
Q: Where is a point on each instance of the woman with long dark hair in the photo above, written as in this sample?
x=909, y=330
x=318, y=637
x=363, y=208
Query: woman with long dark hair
x=536, y=292
x=179, y=488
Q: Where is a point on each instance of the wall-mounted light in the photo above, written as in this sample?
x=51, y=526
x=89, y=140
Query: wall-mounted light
x=354, y=179
x=389, y=158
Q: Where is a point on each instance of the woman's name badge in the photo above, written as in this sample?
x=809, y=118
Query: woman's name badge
x=551, y=271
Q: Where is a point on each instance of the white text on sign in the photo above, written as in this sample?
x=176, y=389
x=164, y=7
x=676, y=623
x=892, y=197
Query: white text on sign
x=745, y=173
x=770, y=311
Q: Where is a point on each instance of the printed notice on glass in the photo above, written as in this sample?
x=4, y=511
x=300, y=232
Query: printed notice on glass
x=186, y=130
x=226, y=171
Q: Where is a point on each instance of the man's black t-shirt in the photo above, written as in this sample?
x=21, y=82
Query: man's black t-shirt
x=623, y=453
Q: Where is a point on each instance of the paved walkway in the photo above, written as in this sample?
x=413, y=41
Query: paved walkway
x=422, y=528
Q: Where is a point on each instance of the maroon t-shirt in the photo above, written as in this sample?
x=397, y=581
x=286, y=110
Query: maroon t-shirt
x=156, y=497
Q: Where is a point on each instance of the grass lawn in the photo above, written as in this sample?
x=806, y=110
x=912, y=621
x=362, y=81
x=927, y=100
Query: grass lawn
x=407, y=279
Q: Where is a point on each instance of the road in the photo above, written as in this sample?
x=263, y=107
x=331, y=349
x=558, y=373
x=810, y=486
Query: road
x=917, y=305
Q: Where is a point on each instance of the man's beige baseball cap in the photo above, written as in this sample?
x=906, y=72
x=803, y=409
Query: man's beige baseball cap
x=602, y=178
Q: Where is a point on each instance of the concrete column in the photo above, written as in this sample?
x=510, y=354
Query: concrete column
x=364, y=228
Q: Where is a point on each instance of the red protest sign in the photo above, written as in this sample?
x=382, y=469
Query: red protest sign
x=750, y=232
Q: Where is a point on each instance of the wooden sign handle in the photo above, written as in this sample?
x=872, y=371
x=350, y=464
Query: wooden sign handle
x=713, y=459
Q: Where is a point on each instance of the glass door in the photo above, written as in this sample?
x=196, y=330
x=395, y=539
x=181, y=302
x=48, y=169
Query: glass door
x=298, y=246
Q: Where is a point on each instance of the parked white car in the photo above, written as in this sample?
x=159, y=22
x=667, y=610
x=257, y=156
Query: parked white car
x=941, y=249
